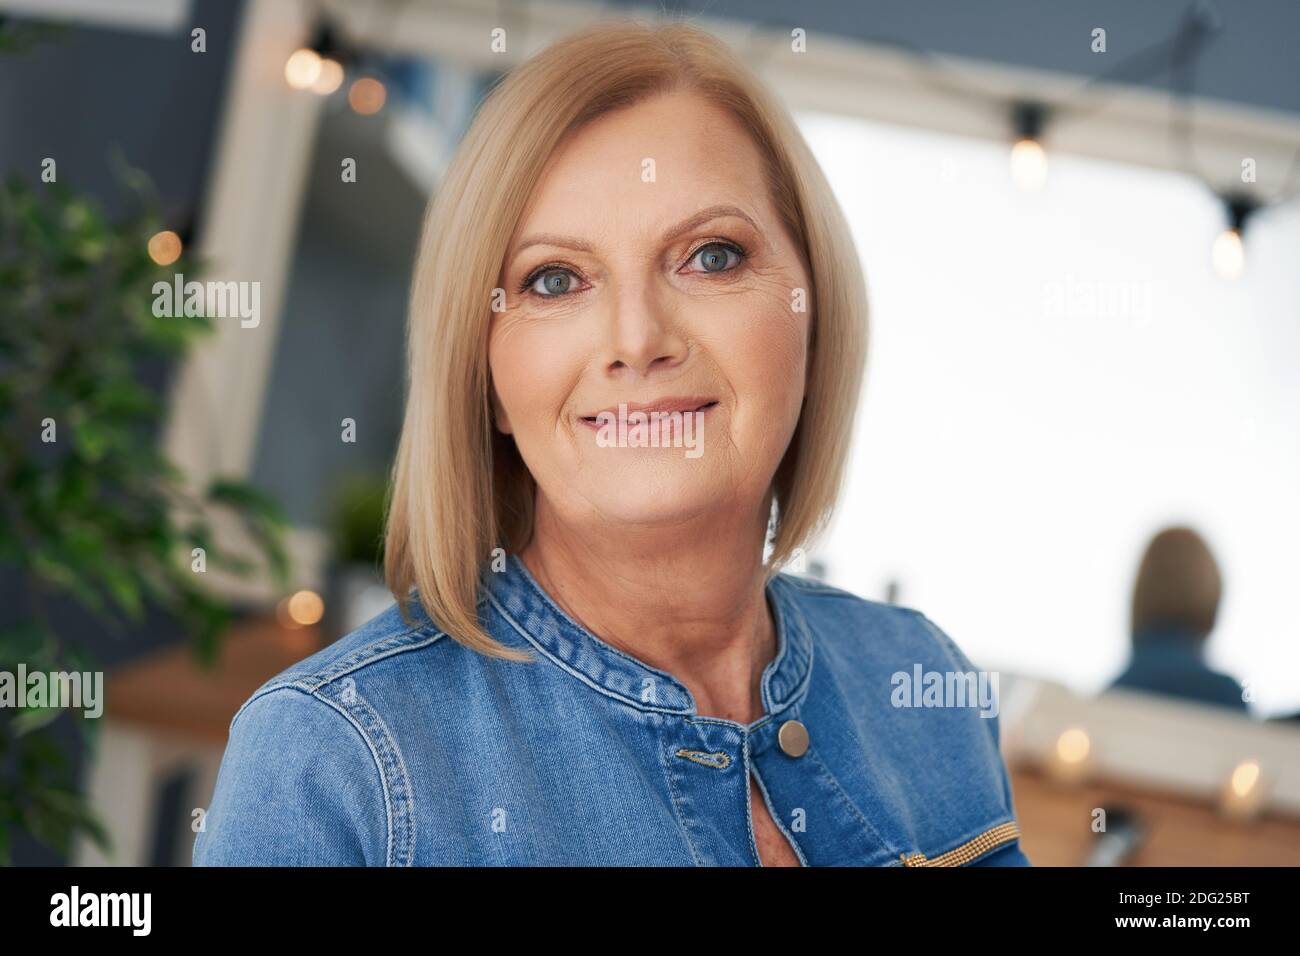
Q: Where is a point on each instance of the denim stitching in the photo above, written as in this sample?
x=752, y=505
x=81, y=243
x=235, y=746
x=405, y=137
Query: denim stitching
x=310, y=681
x=397, y=790
x=564, y=665
x=373, y=653
x=677, y=806
x=824, y=771
x=749, y=809
x=569, y=622
x=721, y=760
x=767, y=801
x=293, y=685
x=795, y=619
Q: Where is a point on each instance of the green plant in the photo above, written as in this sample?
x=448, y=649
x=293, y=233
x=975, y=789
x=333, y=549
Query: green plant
x=97, y=516
x=357, y=518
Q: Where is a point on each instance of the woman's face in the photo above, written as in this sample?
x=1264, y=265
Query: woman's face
x=650, y=270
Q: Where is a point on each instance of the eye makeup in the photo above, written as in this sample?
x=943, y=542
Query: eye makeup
x=526, y=286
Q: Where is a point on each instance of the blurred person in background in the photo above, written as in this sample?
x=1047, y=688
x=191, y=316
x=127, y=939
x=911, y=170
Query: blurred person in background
x=1175, y=604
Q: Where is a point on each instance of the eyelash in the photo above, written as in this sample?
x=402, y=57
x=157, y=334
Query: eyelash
x=526, y=286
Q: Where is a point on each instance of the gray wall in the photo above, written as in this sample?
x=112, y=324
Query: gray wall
x=1254, y=58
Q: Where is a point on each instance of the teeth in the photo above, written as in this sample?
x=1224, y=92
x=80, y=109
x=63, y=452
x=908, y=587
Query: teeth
x=592, y=418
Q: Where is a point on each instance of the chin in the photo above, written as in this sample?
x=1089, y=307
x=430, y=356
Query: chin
x=658, y=493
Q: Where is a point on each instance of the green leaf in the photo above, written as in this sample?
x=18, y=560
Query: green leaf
x=245, y=497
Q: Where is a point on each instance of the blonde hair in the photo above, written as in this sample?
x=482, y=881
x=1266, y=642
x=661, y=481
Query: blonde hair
x=460, y=489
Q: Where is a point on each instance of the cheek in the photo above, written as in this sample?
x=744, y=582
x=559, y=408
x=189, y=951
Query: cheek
x=534, y=366
x=762, y=350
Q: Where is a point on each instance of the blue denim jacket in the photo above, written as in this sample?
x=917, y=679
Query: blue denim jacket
x=398, y=746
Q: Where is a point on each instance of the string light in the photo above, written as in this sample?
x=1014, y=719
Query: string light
x=1069, y=761
x=165, y=247
x=302, y=69
x=301, y=609
x=318, y=66
x=1028, y=159
x=367, y=96
x=1243, y=795
x=330, y=78
x=1228, y=253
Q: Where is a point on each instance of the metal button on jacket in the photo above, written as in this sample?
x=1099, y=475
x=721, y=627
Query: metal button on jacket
x=793, y=738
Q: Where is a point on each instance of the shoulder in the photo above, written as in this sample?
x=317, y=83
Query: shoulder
x=843, y=622
x=386, y=635
x=892, y=655
x=292, y=763
x=310, y=742
x=912, y=697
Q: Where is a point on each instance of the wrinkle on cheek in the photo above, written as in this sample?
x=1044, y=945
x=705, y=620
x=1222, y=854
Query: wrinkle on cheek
x=536, y=374
x=782, y=330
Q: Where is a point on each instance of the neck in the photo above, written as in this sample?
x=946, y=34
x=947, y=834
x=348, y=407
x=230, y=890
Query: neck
x=689, y=599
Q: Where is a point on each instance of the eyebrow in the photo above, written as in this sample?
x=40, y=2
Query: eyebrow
x=708, y=214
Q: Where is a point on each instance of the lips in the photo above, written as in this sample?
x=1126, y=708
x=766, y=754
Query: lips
x=665, y=406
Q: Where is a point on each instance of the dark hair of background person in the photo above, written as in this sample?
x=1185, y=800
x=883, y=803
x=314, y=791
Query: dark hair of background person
x=1178, y=585
x=1175, y=606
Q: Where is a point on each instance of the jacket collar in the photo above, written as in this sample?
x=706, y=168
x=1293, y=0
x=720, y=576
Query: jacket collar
x=527, y=608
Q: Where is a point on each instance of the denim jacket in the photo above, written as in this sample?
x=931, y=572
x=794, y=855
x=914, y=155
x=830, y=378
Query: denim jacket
x=398, y=746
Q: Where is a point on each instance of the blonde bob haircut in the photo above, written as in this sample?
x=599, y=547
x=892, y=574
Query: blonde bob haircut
x=460, y=488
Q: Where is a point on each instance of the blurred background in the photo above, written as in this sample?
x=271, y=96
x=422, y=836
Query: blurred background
x=1076, y=450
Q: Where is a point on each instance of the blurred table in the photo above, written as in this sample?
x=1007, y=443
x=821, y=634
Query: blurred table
x=164, y=730
x=1055, y=823
x=170, y=693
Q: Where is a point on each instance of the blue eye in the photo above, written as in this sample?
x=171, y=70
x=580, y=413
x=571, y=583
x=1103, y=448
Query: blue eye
x=551, y=282
x=718, y=256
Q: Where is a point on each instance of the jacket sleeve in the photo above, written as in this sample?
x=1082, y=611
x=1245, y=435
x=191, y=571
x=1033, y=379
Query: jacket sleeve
x=1011, y=854
x=298, y=786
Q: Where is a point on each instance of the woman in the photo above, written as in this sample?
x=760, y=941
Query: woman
x=636, y=344
x=1175, y=607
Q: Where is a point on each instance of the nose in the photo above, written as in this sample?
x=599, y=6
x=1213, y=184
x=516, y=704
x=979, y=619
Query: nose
x=643, y=338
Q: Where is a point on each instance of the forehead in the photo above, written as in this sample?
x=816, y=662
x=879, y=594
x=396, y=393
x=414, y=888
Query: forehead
x=598, y=177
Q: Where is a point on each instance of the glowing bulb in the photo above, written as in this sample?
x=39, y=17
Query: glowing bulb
x=367, y=95
x=1073, y=746
x=1028, y=165
x=1229, y=255
x=1069, y=761
x=330, y=78
x=164, y=247
x=302, y=69
x=1243, y=797
x=1244, y=777
x=301, y=609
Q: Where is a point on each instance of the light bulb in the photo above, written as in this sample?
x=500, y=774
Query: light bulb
x=1028, y=165
x=301, y=609
x=1229, y=255
x=330, y=78
x=302, y=69
x=1070, y=760
x=164, y=247
x=1244, y=794
x=367, y=96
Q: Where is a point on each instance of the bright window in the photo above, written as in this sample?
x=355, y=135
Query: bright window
x=1054, y=376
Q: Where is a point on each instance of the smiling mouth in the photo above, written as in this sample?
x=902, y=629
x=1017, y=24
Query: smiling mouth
x=667, y=407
